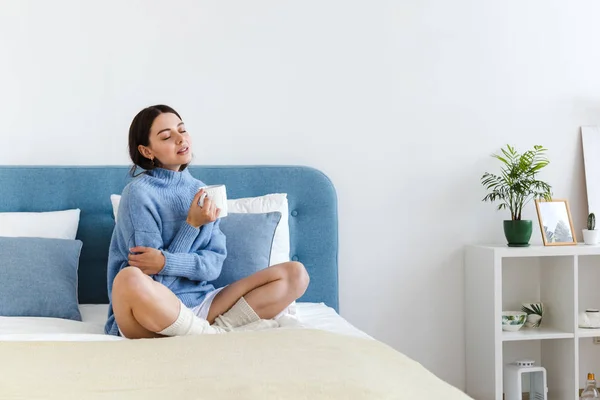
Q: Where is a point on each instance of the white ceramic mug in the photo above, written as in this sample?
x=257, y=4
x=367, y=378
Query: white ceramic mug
x=218, y=195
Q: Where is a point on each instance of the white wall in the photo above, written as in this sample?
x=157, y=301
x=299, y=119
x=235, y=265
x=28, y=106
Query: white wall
x=402, y=99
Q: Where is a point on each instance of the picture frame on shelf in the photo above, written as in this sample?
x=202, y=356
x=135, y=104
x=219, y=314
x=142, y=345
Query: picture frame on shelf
x=556, y=224
x=590, y=141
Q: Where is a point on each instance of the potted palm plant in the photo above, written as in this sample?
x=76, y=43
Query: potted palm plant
x=516, y=186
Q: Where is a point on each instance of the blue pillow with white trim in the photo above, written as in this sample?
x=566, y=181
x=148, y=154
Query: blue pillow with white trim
x=249, y=237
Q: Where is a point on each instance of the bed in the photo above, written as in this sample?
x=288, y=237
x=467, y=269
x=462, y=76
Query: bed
x=321, y=357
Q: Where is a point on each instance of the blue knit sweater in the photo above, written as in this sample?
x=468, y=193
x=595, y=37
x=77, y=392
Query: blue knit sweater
x=152, y=213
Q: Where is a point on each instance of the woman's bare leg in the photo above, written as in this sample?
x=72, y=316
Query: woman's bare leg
x=142, y=306
x=268, y=291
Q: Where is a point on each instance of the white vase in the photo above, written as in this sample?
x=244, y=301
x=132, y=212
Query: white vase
x=535, y=313
x=589, y=318
x=533, y=320
x=591, y=236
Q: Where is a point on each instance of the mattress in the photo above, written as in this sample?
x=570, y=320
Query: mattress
x=91, y=328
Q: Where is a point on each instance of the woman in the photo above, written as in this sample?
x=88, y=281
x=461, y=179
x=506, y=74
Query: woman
x=165, y=248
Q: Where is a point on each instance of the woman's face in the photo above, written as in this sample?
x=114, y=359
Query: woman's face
x=169, y=142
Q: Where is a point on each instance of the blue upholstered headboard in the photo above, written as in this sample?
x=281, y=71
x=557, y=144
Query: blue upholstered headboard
x=311, y=196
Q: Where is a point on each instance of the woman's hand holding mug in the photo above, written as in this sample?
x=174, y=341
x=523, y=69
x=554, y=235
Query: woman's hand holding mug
x=201, y=215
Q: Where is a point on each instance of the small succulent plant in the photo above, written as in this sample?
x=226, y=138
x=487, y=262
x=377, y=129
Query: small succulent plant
x=533, y=309
x=591, y=222
x=534, y=314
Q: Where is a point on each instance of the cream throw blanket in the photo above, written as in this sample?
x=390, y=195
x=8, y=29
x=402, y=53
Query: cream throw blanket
x=276, y=364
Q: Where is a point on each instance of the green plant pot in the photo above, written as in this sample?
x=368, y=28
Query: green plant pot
x=518, y=233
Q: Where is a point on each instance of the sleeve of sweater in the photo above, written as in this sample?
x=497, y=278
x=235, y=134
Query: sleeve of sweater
x=204, y=264
x=184, y=239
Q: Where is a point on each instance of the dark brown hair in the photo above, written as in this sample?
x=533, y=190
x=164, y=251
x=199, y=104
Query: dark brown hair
x=139, y=134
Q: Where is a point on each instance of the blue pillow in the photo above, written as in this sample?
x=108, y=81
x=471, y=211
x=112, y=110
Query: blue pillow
x=249, y=238
x=38, y=277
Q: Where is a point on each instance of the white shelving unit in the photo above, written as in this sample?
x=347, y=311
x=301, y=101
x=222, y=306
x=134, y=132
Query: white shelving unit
x=499, y=278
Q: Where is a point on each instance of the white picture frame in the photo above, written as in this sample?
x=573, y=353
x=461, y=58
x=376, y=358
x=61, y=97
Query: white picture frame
x=590, y=139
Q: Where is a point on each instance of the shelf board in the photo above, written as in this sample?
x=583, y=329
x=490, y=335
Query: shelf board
x=582, y=332
x=536, y=334
x=537, y=250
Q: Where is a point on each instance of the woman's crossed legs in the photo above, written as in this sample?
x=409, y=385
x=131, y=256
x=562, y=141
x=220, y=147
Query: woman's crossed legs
x=143, y=307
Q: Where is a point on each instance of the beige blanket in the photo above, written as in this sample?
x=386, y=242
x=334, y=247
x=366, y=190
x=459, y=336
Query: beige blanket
x=276, y=364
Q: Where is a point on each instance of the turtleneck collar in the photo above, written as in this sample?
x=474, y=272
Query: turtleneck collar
x=169, y=176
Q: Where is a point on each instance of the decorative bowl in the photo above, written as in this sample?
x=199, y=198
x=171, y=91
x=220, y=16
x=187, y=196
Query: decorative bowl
x=512, y=321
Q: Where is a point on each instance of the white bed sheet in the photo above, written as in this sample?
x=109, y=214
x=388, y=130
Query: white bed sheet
x=310, y=315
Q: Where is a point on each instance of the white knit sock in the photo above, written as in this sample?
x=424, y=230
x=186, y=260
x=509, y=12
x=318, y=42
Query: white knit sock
x=261, y=324
x=239, y=315
x=187, y=323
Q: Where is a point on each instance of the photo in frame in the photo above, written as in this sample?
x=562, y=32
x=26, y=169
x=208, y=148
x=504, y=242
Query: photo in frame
x=555, y=221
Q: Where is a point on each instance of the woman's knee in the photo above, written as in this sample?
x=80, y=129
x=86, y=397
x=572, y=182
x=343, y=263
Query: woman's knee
x=297, y=278
x=131, y=283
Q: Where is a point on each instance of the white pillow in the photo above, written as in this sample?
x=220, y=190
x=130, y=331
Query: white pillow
x=50, y=224
x=115, y=199
x=280, y=249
